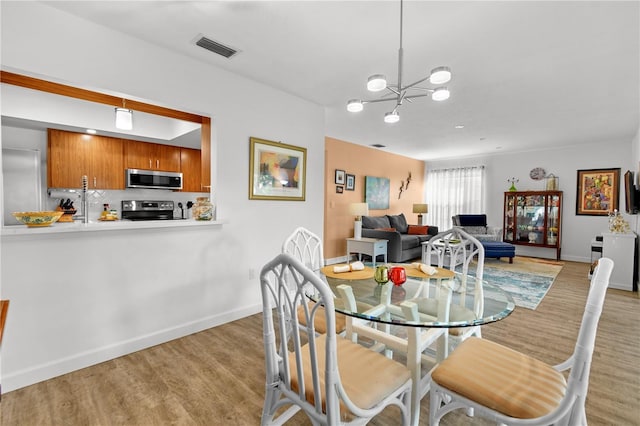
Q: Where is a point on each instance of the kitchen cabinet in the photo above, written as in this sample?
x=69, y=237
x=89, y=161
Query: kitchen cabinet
x=71, y=155
x=190, y=166
x=151, y=156
x=533, y=218
x=205, y=157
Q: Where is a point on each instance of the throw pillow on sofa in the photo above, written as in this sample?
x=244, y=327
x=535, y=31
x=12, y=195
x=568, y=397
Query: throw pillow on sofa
x=374, y=222
x=418, y=230
x=399, y=222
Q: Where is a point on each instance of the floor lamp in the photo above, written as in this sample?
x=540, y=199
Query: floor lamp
x=420, y=209
x=358, y=210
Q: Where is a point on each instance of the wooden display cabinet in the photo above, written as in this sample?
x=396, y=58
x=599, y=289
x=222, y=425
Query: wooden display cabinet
x=533, y=218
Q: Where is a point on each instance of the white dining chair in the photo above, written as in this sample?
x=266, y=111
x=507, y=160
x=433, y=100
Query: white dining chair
x=459, y=251
x=306, y=247
x=510, y=387
x=332, y=380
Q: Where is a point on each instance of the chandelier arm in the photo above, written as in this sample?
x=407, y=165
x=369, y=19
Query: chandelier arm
x=413, y=84
x=380, y=100
x=416, y=96
x=424, y=89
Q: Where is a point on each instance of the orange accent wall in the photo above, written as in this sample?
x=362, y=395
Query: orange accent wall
x=363, y=161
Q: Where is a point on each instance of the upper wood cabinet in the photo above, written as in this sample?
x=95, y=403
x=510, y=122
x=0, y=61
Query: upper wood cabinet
x=190, y=163
x=205, y=146
x=72, y=155
x=151, y=156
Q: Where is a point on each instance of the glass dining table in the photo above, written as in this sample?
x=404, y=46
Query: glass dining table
x=416, y=317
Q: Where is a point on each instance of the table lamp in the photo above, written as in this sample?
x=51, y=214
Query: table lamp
x=420, y=208
x=358, y=210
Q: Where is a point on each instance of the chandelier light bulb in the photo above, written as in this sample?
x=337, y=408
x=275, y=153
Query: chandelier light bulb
x=355, y=105
x=377, y=83
x=440, y=94
x=391, y=117
x=440, y=75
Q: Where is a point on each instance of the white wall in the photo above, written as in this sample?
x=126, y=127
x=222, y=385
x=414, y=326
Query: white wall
x=78, y=299
x=577, y=231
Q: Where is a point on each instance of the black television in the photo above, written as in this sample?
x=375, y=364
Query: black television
x=631, y=194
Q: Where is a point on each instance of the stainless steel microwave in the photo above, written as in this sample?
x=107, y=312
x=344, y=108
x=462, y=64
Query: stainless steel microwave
x=138, y=178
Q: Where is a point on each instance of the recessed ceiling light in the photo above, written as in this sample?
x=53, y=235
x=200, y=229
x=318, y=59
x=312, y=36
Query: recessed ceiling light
x=459, y=126
x=483, y=139
x=92, y=131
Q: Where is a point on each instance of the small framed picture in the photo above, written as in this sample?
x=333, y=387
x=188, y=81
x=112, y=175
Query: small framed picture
x=339, y=177
x=339, y=189
x=350, y=184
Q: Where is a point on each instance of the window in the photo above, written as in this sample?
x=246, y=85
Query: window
x=454, y=191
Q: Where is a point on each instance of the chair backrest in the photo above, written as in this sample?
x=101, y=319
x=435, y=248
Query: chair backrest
x=578, y=381
x=305, y=246
x=455, y=246
x=289, y=363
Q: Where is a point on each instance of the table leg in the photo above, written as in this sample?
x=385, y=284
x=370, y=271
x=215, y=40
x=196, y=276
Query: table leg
x=414, y=363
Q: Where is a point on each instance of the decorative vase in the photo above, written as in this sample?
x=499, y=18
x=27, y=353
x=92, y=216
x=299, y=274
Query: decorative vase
x=203, y=209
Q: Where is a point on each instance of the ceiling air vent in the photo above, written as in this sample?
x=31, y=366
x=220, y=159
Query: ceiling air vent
x=377, y=145
x=216, y=47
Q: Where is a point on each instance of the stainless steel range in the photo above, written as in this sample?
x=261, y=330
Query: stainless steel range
x=147, y=210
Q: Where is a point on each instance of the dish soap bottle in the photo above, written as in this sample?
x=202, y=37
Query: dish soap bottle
x=105, y=212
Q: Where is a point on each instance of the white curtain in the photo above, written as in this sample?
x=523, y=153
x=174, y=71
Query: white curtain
x=454, y=191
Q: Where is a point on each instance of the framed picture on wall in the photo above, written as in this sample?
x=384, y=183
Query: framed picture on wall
x=339, y=189
x=376, y=192
x=598, y=192
x=339, y=177
x=277, y=171
x=350, y=184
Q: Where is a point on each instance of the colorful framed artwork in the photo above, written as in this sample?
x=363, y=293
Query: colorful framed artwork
x=376, y=192
x=277, y=171
x=350, y=184
x=339, y=177
x=598, y=192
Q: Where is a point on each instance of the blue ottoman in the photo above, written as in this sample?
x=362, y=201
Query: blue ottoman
x=499, y=249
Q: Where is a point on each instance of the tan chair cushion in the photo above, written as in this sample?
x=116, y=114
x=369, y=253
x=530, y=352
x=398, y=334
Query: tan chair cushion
x=320, y=323
x=501, y=379
x=367, y=376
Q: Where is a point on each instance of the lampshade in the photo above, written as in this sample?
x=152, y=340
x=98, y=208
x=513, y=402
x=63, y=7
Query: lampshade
x=391, y=117
x=421, y=208
x=355, y=105
x=124, y=119
x=376, y=83
x=440, y=94
x=440, y=75
x=359, y=209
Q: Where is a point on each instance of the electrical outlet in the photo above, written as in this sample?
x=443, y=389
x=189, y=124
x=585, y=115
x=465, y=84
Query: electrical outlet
x=252, y=273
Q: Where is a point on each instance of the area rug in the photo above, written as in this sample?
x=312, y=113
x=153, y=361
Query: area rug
x=527, y=279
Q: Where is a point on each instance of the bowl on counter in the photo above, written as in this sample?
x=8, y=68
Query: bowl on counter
x=37, y=219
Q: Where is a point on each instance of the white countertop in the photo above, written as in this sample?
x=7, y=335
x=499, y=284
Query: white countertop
x=98, y=226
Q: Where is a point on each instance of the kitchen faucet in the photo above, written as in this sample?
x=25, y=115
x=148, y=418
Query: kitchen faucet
x=85, y=201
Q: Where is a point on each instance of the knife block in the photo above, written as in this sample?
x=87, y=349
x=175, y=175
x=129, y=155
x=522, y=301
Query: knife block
x=68, y=214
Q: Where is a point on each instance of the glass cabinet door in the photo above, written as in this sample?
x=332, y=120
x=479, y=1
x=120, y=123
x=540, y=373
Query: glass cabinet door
x=509, y=219
x=531, y=219
x=553, y=214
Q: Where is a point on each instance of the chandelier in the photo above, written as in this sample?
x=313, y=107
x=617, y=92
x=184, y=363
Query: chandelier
x=400, y=93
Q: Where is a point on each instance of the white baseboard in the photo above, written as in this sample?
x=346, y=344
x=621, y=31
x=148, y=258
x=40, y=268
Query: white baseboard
x=38, y=373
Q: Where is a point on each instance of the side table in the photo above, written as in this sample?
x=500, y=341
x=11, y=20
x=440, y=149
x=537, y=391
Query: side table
x=370, y=246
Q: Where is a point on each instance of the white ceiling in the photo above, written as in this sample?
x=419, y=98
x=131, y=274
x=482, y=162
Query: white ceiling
x=526, y=75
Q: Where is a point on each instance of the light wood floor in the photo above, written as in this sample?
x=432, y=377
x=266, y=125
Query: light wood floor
x=216, y=377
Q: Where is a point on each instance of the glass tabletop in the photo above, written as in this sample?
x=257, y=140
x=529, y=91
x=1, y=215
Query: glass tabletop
x=444, y=299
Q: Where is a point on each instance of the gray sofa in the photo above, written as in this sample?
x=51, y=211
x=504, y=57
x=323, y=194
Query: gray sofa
x=402, y=246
